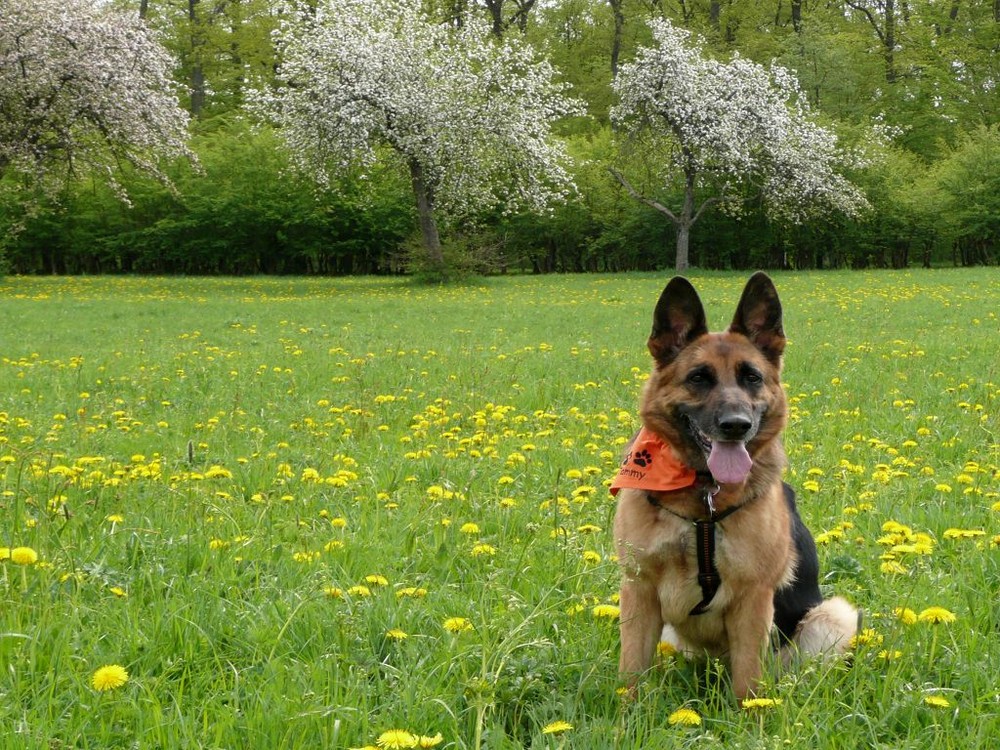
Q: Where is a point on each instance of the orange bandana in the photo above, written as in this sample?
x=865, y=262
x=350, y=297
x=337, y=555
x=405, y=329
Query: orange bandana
x=651, y=465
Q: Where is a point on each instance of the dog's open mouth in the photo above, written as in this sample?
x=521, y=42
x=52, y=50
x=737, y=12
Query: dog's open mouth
x=728, y=460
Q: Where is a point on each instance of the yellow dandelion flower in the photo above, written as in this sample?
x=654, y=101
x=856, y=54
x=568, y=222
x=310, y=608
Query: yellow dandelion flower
x=4, y=553
x=963, y=533
x=412, y=591
x=469, y=528
x=377, y=580
x=936, y=615
x=589, y=528
x=431, y=741
x=591, y=557
x=905, y=615
x=867, y=637
x=115, y=518
x=887, y=655
x=665, y=649
x=752, y=704
x=894, y=567
x=609, y=611
x=396, y=634
x=396, y=739
x=119, y=592
x=359, y=591
x=333, y=592
x=109, y=677
x=23, y=556
x=684, y=717
x=557, y=727
x=481, y=549
x=937, y=701
x=457, y=625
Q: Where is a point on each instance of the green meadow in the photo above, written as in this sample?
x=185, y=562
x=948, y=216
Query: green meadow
x=348, y=513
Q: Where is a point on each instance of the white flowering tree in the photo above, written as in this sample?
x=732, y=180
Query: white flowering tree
x=84, y=88
x=731, y=130
x=467, y=115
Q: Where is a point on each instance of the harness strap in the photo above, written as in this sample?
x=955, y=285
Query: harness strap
x=704, y=531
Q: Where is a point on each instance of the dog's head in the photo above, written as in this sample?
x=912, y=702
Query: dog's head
x=717, y=397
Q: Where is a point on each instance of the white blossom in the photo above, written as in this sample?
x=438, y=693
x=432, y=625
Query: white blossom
x=734, y=127
x=84, y=88
x=471, y=113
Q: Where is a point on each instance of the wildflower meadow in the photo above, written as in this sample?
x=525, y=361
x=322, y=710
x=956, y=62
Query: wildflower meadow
x=352, y=513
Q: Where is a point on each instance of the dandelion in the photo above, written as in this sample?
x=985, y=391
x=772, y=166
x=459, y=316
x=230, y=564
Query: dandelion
x=396, y=739
x=963, y=533
x=359, y=591
x=457, y=625
x=432, y=741
x=481, y=549
x=937, y=701
x=411, y=591
x=665, y=649
x=867, y=637
x=377, y=580
x=609, y=611
x=557, y=727
x=755, y=704
x=936, y=615
x=119, y=592
x=469, y=528
x=684, y=717
x=396, y=634
x=591, y=557
x=333, y=592
x=109, y=677
x=905, y=615
x=23, y=556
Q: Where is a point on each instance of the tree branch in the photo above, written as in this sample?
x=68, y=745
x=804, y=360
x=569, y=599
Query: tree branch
x=641, y=198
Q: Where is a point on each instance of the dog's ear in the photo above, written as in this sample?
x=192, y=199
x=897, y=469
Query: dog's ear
x=758, y=317
x=678, y=319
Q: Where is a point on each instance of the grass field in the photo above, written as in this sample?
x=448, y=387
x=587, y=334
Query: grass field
x=307, y=513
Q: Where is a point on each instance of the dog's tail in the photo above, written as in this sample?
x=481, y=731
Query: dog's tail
x=827, y=629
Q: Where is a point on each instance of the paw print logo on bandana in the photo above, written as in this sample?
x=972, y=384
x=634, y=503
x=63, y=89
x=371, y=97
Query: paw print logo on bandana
x=642, y=458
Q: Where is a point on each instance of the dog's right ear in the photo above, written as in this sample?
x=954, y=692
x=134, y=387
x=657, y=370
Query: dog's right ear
x=679, y=318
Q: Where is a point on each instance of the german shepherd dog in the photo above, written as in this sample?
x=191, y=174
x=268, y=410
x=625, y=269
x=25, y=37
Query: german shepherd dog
x=712, y=549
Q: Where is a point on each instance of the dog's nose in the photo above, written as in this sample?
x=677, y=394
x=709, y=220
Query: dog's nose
x=734, y=425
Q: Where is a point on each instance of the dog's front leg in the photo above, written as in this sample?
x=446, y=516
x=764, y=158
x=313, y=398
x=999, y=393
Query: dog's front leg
x=640, y=624
x=748, y=625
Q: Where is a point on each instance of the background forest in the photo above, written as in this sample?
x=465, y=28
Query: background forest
x=924, y=71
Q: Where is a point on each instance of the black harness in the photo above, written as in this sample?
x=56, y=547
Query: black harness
x=704, y=535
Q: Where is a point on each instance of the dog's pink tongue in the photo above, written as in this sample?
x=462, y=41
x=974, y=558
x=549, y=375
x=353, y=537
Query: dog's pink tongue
x=729, y=462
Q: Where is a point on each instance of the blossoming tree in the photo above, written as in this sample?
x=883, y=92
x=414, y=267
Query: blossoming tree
x=468, y=116
x=83, y=88
x=730, y=130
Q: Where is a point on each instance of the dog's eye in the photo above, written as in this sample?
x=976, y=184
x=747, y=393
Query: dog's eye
x=700, y=378
x=752, y=377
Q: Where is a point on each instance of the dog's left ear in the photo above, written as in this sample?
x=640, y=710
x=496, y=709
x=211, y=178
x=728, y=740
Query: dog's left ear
x=758, y=317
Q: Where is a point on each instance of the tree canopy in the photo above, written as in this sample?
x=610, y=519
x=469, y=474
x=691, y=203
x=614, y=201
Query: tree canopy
x=729, y=131
x=469, y=116
x=89, y=94
x=84, y=88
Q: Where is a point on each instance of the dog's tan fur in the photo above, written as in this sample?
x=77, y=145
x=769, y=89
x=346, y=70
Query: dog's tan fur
x=755, y=554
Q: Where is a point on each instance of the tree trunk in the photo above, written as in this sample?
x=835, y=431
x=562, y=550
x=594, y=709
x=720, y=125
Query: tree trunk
x=683, y=260
x=425, y=214
x=616, y=39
